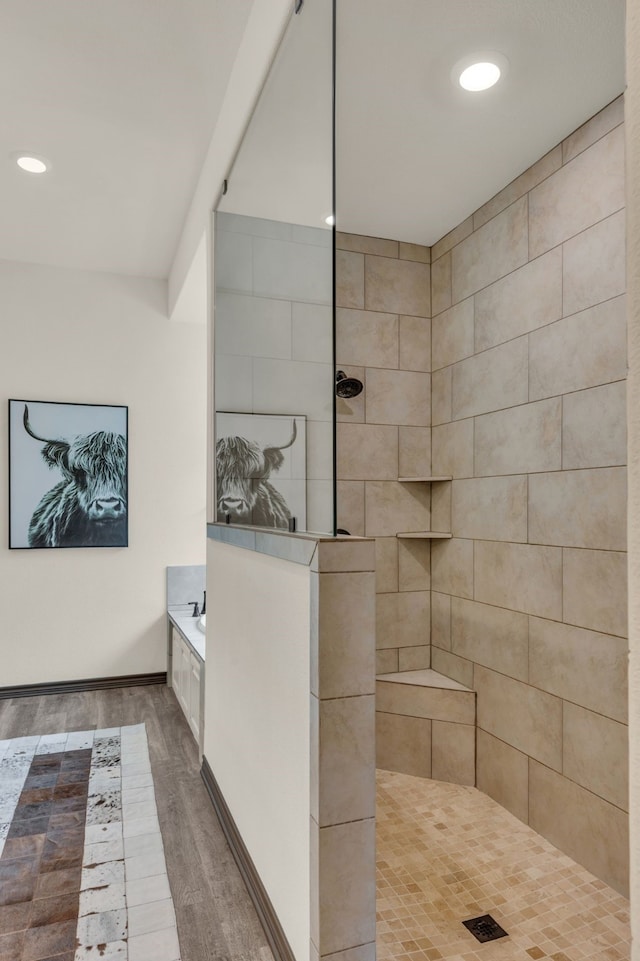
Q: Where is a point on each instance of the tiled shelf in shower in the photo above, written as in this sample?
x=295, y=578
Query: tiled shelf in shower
x=424, y=480
x=424, y=535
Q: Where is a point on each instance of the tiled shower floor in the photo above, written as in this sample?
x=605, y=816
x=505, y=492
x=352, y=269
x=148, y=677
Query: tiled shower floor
x=448, y=853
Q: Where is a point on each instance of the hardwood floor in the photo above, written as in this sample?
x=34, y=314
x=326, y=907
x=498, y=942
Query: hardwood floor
x=216, y=919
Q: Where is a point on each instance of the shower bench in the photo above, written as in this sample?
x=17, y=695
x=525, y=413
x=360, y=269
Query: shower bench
x=426, y=726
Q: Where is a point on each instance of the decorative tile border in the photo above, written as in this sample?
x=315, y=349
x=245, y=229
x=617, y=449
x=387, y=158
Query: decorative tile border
x=80, y=842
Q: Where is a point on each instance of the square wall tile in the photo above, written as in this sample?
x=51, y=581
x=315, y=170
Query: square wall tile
x=457, y=668
x=452, y=448
x=414, y=565
x=414, y=658
x=491, y=252
x=392, y=508
x=441, y=284
x=593, y=264
x=347, y=890
x=414, y=451
x=398, y=397
x=415, y=343
x=366, y=338
x=252, y=326
x=366, y=245
x=292, y=271
x=312, y=332
x=581, y=666
x=344, y=555
x=595, y=590
x=403, y=744
x=521, y=577
x=529, y=298
x=593, y=130
x=367, y=452
x=580, y=194
x=491, y=636
x=594, y=427
x=441, y=620
x=417, y=252
x=450, y=240
x=416, y=700
x=584, y=350
x=531, y=177
x=349, y=279
x=452, y=334
x=403, y=620
x=502, y=772
x=441, y=395
x=492, y=380
x=387, y=661
x=591, y=831
x=347, y=790
x=579, y=508
x=452, y=567
x=596, y=754
x=522, y=716
x=386, y=565
x=520, y=440
x=343, y=664
x=350, y=506
x=490, y=508
x=397, y=286
x=453, y=752
x=441, y=507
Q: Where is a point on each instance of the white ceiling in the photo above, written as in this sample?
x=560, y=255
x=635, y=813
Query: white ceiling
x=123, y=96
x=416, y=155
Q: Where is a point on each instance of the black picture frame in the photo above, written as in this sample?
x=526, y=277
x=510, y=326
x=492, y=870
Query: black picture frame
x=68, y=475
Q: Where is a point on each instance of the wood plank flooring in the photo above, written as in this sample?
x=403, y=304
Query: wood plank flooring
x=216, y=919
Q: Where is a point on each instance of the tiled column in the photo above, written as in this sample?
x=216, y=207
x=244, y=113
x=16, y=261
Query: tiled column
x=342, y=824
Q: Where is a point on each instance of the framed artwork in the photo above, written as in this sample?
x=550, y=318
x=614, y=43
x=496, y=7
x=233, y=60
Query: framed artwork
x=68, y=475
x=261, y=470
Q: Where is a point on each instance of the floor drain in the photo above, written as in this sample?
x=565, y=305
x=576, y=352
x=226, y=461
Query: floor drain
x=485, y=928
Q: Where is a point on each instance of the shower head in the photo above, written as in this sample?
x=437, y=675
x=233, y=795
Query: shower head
x=347, y=386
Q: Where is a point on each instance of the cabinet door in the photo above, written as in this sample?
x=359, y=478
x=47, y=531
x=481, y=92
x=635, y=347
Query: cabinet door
x=194, y=696
x=183, y=686
x=175, y=661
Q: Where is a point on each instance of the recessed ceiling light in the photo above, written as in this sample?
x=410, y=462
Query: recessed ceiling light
x=479, y=76
x=479, y=71
x=330, y=220
x=32, y=165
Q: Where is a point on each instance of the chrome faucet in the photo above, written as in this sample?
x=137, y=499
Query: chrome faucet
x=196, y=609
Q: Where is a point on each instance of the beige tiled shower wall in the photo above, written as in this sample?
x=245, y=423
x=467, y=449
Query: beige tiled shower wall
x=384, y=338
x=528, y=399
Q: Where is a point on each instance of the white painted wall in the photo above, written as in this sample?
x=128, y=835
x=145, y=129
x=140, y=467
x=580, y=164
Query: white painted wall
x=257, y=721
x=71, y=335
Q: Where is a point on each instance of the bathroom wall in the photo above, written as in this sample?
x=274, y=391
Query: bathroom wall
x=528, y=402
x=273, y=336
x=70, y=335
x=383, y=337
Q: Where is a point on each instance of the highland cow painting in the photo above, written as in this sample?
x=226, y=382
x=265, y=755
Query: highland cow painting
x=68, y=475
x=261, y=470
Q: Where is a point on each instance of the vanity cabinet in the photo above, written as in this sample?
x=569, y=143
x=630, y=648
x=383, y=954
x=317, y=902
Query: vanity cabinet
x=186, y=680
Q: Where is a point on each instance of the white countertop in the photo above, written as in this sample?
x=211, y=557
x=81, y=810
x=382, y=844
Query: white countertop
x=187, y=625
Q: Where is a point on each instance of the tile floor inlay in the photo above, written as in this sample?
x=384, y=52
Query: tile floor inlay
x=82, y=868
x=447, y=852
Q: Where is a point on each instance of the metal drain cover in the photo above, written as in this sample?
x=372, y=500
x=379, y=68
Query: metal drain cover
x=485, y=928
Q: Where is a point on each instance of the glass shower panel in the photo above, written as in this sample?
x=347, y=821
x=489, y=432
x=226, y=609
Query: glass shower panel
x=274, y=297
